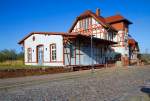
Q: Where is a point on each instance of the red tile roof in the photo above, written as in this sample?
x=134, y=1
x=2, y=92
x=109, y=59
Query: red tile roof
x=68, y=35
x=51, y=33
x=46, y=33
x=116, y=18
x=133, y=43
x=90, y=13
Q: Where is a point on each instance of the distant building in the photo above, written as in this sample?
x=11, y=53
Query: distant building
x=110, y=42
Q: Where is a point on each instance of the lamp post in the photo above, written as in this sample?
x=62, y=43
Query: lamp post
x=92, y=67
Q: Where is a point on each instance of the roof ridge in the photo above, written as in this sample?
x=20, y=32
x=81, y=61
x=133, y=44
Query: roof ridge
x=114, y=16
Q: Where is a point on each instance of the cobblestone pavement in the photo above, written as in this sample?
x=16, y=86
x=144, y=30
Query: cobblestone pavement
x=102, y=85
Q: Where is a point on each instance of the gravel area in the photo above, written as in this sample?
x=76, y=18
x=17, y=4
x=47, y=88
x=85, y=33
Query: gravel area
x=102, y=85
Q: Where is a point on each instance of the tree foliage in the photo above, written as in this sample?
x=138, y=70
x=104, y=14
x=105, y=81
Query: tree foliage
x=10, y=55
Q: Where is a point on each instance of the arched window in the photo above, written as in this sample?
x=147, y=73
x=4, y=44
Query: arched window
x=53, y=52
x=29, y=54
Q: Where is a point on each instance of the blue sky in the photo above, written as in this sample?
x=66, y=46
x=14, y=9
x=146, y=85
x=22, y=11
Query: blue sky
x=20, y=17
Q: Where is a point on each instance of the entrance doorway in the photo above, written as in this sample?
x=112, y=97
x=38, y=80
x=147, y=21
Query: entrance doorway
x=40, y=54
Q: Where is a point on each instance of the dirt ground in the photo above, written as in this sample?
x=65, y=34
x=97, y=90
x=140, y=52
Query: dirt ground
x=112, y=84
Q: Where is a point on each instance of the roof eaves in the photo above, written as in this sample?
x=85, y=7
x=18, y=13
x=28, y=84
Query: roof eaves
x=48, y=33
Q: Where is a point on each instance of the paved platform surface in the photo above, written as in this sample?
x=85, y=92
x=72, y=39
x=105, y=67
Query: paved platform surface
x=113, y=84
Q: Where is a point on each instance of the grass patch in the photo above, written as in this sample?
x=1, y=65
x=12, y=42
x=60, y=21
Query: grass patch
x=14, y=64
x=19, y=64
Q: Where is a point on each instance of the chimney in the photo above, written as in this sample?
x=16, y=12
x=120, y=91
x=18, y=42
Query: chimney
x=98, y=12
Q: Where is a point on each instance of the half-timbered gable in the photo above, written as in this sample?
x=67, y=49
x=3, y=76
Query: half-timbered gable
x=91, y=24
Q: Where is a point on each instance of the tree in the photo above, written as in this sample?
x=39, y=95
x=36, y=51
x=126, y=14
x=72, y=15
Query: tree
x=10, y=55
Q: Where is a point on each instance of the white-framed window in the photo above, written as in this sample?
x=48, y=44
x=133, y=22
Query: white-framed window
x=53, y=52
x=84, y=23
x=80, y=24
x=29, y=54
x=90, y=20
x=87, y=23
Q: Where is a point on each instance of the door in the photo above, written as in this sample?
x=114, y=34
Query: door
x=40, y=55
